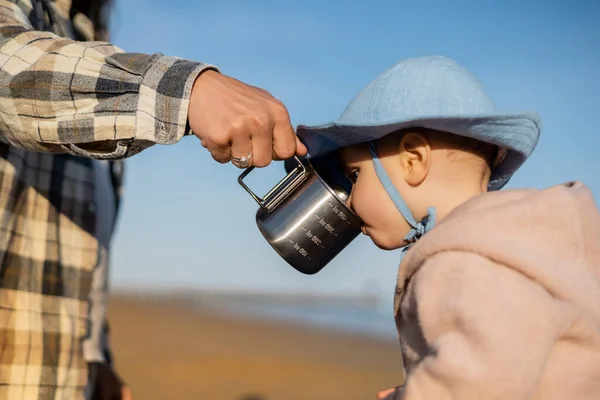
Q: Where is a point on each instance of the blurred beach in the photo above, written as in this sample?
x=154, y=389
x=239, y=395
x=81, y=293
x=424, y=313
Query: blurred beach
x=234, y=346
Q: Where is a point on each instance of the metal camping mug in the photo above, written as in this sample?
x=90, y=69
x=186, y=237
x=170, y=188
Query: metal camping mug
x=304, y=218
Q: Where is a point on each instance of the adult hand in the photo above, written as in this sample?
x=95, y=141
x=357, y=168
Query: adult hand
x=242, y=123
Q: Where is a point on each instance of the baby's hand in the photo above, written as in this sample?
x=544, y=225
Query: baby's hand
x=390, y=394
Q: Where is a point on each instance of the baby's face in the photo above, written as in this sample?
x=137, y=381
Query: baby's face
x=428, y=169
x=383, y=223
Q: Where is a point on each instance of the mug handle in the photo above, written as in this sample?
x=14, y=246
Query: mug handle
x=280, y=192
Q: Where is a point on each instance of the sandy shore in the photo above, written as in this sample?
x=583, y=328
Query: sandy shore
x=168, y=351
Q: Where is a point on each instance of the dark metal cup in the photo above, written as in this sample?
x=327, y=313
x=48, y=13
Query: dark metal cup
x=304, y=218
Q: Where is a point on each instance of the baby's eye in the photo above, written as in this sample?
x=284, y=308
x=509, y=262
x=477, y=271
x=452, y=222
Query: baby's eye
x=353, y=175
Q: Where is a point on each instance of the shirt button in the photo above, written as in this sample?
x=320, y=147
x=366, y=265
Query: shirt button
x=91, y=207
x=162, y=132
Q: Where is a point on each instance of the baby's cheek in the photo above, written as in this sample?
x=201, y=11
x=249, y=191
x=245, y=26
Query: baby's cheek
x=366, y=204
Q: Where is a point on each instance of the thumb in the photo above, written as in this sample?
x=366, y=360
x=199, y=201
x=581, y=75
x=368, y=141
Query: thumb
x=301, y=149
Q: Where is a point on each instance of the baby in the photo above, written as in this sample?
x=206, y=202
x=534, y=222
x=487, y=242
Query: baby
x=498, y=293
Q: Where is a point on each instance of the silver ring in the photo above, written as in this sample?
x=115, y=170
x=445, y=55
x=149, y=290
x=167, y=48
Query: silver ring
x=243, y=162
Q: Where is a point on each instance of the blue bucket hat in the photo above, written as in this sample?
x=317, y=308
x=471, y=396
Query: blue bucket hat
x=432, y=92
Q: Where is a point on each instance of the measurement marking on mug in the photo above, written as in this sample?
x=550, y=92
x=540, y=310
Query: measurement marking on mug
x=341, y=215
x=301, y=250
x=327, y=226
x=314, y=238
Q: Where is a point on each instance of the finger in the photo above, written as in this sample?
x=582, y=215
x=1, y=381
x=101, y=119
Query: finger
x=241, y=146
x=284, y=138
x=262, y=144
x=219, y=147
x=221, y=154
x=301, y=149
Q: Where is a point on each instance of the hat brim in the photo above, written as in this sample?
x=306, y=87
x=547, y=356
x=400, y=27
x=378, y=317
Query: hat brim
x=518, y=133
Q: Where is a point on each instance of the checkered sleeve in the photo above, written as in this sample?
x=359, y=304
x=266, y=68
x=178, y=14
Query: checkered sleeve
x=87, y=98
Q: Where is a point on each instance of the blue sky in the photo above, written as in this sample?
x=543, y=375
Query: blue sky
x=187, y=223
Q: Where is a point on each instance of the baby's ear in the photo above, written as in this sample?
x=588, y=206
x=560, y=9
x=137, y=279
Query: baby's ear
x=415, y=156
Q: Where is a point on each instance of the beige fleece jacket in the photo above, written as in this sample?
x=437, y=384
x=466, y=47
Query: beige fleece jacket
x=501, y=300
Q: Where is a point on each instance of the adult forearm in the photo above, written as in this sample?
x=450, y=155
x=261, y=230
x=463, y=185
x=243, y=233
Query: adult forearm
x=87, y=98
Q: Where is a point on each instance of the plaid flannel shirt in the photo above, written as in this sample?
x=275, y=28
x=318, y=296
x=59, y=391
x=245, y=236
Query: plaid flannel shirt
x=65, y=98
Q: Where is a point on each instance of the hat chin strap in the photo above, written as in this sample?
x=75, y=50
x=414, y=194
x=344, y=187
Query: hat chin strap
x=418, y=228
